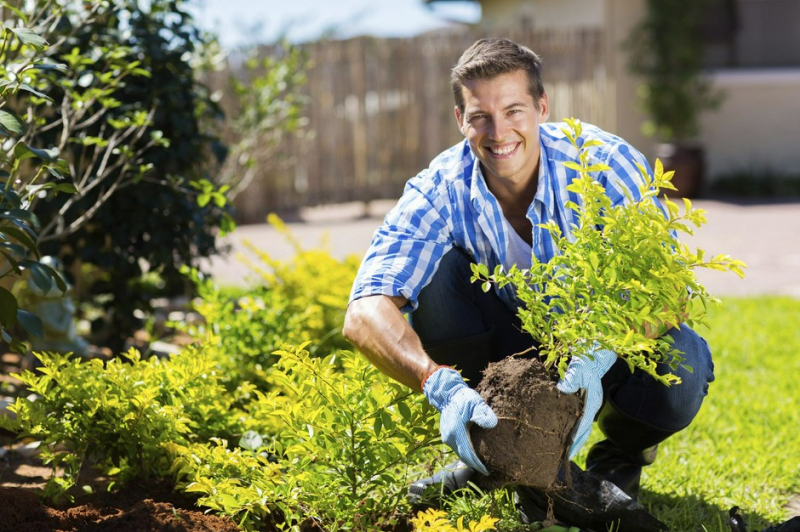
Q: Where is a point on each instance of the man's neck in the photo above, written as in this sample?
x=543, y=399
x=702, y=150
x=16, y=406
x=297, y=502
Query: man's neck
x=514, y=196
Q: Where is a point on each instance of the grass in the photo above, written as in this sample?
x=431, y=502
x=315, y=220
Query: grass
x=742, y=449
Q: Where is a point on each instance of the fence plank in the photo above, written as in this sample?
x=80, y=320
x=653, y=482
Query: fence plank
x=381, y=109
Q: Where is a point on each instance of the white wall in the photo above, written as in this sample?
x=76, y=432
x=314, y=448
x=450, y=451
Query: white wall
x=757, y=128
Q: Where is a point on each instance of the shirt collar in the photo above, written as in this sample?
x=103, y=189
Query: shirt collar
x=544, y=187
x=479, y=190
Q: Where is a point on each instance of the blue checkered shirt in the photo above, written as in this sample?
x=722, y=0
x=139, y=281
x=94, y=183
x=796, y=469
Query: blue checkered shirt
x=449, y=204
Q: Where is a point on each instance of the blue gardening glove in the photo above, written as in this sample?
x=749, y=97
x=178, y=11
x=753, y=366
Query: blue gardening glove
x=459, y=406
x=584, y=373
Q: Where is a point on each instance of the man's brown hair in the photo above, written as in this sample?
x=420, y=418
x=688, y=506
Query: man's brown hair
x=488, y=58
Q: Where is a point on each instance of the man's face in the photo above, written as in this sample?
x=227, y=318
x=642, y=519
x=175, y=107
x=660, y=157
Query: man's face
x=501, y=123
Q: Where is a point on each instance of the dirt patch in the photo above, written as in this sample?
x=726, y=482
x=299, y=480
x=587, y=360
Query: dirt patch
x=134, y=509
x=535, y=422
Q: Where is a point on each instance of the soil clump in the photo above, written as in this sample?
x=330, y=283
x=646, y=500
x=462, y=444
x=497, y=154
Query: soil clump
x=535, y=424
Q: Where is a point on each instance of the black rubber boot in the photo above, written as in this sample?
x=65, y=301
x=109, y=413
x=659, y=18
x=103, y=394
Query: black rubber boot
x=586, y=501
x=629, y=445
x=426, y=492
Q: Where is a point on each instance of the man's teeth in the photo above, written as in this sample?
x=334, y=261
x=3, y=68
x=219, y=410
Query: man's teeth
x=503, y=151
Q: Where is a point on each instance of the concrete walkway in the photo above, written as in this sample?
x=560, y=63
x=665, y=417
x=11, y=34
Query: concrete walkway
x=766, y=236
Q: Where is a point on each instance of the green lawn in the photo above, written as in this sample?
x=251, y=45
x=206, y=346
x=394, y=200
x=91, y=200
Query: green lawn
x=743, y=448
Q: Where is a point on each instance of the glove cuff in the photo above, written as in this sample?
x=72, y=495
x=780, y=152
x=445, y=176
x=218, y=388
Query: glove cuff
x=440, y=385
x=427, y=375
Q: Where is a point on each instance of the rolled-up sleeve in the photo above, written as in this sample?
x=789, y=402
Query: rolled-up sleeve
x=407, y=248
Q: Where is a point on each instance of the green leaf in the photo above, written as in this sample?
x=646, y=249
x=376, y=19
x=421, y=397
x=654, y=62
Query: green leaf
x=8, y=308
x=20, y=214
x=28, y=88
x=60, y=67
x=40, y=276
x=405, y=412
x=16, y=11
x=68, y=188
x=54, y=275
x=31, y=323
x=12, y=123
x=14, y=249
x=29, y=37
x=387, y=420
x=20, y=236
x=22, y=151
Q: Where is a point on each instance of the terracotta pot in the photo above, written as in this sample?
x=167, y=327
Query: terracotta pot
x=688, y=163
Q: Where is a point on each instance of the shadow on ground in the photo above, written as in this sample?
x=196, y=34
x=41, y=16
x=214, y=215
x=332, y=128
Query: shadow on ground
x=676, y=512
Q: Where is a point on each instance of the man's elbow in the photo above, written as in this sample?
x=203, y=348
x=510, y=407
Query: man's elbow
x=351, y=325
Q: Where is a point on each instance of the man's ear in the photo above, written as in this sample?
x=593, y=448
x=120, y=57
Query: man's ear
x=544, y=108
x=458, y=120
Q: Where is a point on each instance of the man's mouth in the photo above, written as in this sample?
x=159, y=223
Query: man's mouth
x=500, y=151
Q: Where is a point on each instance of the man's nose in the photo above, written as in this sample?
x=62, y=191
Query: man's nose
x=499, y=129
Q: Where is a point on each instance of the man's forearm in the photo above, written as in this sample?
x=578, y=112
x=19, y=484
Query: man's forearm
x=375, y=326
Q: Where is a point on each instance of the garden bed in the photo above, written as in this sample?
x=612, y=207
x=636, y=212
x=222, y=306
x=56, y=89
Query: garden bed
x=134, y=509
x=152, y=507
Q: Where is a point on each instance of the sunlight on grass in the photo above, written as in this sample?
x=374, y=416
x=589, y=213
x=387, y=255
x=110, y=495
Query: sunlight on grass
x=743, y=448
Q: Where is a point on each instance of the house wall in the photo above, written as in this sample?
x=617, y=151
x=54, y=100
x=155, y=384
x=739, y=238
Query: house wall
x=757, y=127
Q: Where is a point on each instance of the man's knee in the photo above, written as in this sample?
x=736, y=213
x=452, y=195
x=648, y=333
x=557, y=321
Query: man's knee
x=682, y=402
x=697, y=356
x=669, y=408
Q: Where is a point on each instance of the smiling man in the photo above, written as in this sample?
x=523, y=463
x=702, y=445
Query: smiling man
x=484, y=201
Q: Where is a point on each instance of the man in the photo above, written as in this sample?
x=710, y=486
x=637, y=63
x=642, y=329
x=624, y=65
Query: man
x=482, y=201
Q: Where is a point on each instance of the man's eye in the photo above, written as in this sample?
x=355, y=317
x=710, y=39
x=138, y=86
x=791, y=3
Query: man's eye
x=476, y=118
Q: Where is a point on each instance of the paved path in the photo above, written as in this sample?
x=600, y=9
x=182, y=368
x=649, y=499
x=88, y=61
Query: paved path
x=766, y=236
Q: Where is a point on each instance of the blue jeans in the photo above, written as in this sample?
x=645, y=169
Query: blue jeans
x=462, y=326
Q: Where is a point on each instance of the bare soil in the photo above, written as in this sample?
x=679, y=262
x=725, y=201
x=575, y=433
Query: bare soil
x=535, y=422
x=136, y=508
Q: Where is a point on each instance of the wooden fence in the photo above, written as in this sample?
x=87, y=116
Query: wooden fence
x=381, y=109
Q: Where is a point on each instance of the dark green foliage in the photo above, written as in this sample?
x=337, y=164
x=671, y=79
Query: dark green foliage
x=667, y=50
x=23, y=167
x=153, y=221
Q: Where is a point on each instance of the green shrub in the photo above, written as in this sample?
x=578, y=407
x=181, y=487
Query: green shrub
x=25, y=165
x=118, y=416
x=118, y=99
x=324, y=437
x=295, y=301
x=620, y=275
x=346, y=440
x=756, y=184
